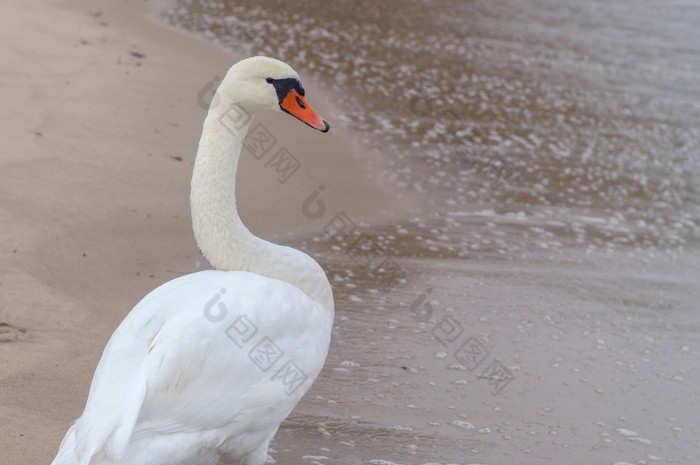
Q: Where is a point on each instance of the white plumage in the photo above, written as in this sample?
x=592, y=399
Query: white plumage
x=205, y=368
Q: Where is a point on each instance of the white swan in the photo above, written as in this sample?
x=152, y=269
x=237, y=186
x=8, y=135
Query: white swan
x=205, y=368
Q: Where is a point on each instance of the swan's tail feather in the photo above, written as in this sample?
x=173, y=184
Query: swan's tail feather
x=66, y=451
x=71, y=451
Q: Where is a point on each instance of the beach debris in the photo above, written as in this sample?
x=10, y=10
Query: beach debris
x=10, y=333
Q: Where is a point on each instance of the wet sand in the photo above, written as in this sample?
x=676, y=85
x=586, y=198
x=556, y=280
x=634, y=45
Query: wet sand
x=532, y=299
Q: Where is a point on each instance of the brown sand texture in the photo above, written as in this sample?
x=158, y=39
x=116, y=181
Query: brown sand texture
x=100, y=118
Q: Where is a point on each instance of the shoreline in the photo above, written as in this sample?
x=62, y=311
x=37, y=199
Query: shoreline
x=101, y=125
x=580, y=311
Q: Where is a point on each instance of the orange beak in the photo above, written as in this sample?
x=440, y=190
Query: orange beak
x=295, y=105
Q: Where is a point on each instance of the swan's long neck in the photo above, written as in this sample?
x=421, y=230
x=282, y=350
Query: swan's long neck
x=222, y=237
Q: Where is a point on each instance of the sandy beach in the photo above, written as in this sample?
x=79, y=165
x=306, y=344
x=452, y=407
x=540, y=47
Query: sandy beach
x=530, y=172
x=101, y=116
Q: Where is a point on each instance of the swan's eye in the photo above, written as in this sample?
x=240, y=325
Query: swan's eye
x=270, y=80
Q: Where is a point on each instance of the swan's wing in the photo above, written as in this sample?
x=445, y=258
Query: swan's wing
x=226, y=371
x=168, y=368
x=120, y=380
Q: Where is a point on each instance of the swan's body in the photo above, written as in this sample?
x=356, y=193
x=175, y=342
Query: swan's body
x=205, y=368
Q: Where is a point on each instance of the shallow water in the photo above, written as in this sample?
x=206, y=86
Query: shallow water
x=539, y=303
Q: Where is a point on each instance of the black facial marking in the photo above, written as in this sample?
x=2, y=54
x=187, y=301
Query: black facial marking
x=283, y=86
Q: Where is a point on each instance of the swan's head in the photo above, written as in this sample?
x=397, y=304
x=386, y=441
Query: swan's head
x=265, y=84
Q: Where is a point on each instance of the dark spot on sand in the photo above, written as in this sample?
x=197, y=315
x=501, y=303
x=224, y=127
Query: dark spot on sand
x=10, y=333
